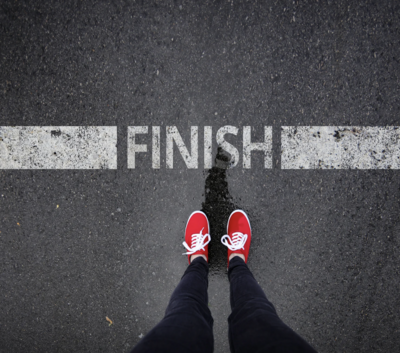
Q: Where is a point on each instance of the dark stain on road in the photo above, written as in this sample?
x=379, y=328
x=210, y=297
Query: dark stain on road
x=218, y=205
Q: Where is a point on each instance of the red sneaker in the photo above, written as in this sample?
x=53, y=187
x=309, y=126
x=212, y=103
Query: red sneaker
x=239, y=234
x=197, y=235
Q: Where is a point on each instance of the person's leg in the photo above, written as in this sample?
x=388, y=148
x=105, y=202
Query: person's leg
x=254, y=325
x=187, y=325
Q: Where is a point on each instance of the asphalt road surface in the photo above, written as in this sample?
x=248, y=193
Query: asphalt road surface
x=78, y=246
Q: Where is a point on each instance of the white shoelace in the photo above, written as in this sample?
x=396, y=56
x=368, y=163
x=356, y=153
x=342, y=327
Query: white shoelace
x=198, y=243
x=237, y=241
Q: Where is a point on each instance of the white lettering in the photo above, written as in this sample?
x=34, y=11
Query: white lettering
x=133, y=148
x=156, y=147
x=265, y=146
x=226, y=145
x=191, y=160
x=208, y=147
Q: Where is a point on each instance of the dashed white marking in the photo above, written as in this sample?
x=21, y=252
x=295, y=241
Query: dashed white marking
x=340, y=147
x=58, y=147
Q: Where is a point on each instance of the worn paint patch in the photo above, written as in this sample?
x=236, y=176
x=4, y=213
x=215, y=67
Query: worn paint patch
x=58, y=147
x=340, y=147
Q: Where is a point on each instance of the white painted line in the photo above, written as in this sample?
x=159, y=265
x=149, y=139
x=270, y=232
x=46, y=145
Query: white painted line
x=340, y=147
x=58, y=147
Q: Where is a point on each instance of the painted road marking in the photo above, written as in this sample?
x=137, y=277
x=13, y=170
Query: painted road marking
x=302, y=147
x=191, y=159
x=58, y=147
x=134, y=148
x=265, y=146
x=340, y=147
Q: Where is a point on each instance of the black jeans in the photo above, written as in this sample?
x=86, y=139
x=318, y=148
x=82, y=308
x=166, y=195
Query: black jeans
x=254, y=325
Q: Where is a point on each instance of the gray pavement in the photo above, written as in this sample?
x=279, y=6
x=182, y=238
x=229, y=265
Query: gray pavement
x=78, y=246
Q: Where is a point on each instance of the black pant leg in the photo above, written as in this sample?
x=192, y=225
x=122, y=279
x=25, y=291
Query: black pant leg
x=254, y=325
x=187, y=325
